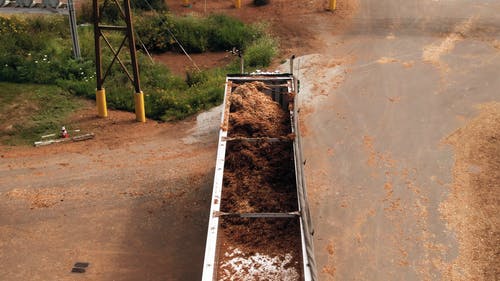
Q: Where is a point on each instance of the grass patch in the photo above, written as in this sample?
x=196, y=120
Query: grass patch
x=37, y=50
x=197, y=34
x=28, y=111
x=261, y=52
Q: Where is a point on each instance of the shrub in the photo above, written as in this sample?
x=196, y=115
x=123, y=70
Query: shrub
x=192, y=32
x=45, y=57
x=158, y=5
x=37, y=50
x=152, y=30
x=261, y=52
x=227, y=32
x=194, y=77
x=109, y=12
x=80, y=88
x=196, y=34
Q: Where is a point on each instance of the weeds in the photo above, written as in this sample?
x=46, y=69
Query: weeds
x=28, y=111
x=197, y=34
x=261, y=52
x=45, y=57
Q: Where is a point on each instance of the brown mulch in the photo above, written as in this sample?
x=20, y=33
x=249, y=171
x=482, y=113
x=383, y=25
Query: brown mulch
x=271, y=236
x=259, y=177
x=254, y=114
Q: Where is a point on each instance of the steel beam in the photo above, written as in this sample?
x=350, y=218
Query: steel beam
x=128, y=31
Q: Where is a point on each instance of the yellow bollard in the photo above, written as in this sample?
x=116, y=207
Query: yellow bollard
x=100, y=97
x=186, y=3
x=333, y=5
x=237, y=4
x=140, y=113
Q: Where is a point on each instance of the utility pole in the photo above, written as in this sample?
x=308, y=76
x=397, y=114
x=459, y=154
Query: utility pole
x=128, y=31
x=73, y=29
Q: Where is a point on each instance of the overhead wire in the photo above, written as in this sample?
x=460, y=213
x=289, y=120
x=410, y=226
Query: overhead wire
x=144, y=48
x=173, y=36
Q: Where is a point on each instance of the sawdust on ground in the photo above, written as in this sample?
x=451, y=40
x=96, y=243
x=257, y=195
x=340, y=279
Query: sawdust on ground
x=473, y=205
x=432, y=53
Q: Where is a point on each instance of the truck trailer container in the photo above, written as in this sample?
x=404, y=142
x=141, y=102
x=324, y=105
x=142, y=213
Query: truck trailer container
x=259, y=226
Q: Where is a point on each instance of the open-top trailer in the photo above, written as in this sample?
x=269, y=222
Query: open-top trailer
x=260, y=226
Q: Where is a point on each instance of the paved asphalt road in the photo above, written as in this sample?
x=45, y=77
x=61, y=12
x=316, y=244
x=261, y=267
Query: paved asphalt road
x=378, y=104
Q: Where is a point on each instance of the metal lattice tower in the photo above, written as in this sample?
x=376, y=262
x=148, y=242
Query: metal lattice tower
x=128, y=31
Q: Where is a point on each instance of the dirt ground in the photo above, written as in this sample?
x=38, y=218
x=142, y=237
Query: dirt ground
x=288, y=20
x=180, y=64
x=390, y=199
x=133, y=202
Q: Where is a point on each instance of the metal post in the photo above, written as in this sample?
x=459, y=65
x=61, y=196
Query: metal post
x=97, y=45
x=139, y=95
x=332, y=5
x=100, y=95
x=242, y=63
x=131, y=45
x=73, y=29
x=128, y=32
x=291, y=64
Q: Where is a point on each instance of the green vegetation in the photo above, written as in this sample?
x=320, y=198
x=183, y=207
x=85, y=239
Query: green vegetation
x=150, y=4
x=38, y=50
x=196, y=34
x=167, y=96
x=109, y=12
x=28, y=111
x=261, y=52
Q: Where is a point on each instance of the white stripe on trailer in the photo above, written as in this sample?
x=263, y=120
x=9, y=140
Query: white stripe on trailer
x=209, y=263
x=305, y=259
x=298, y=184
